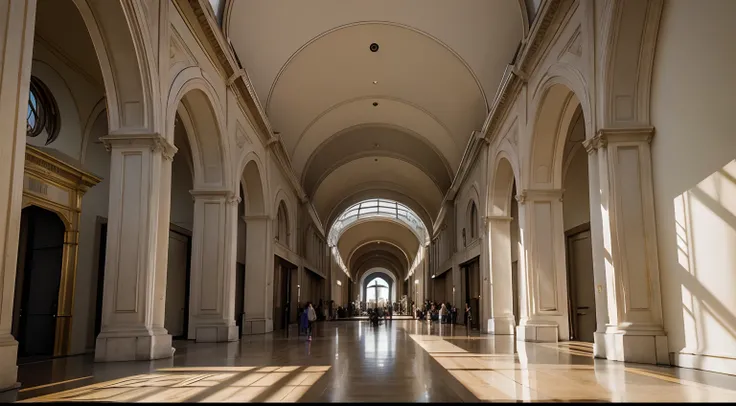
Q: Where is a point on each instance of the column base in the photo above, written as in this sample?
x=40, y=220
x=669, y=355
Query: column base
x=599, y=345
x=257, y=326
x=133, y=346
x=639, y=346
x=215, y=333
x=501, y=325
x=8, y=367
x=537, y=332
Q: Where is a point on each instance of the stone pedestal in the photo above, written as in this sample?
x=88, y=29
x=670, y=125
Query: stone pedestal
x=635, y=331
x=18, y=21
x=212, y=293
x=134, y=287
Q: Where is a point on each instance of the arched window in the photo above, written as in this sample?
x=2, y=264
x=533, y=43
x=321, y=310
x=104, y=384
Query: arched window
x=282, y=225
x=473, y=221
x=377, y=292
x=43, y=112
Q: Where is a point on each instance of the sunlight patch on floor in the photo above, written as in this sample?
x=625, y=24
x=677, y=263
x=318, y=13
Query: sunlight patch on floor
x=200, y=384
x=508, y=377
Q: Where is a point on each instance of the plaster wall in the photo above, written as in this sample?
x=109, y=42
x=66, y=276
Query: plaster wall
x=694, y=174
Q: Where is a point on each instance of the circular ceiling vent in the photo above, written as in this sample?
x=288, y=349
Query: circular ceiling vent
x=374, y=47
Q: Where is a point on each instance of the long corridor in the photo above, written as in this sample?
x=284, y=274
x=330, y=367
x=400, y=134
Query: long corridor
x=350, y=361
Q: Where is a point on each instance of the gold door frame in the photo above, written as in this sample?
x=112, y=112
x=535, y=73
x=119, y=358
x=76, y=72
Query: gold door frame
x=54, y=182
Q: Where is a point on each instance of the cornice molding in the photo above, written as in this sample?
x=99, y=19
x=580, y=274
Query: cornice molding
x=533, y=195
x=155, y=141
x=532, y=51
x=606, y=136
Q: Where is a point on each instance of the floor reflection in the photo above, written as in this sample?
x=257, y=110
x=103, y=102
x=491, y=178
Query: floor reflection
x=558, y=372
x=216, y=384
x=352, y=361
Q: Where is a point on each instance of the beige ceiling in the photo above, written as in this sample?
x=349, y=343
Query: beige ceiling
x=438, y=65
x=379, y=174
x=387, y=232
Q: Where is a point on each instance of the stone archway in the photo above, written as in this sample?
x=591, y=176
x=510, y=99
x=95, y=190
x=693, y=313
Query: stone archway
x=258, y=307
x=212, y=280
x=500, y=226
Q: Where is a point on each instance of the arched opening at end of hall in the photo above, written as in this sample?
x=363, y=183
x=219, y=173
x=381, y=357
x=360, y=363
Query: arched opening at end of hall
x=576, y=220
x=39, y=274
x=377, y=292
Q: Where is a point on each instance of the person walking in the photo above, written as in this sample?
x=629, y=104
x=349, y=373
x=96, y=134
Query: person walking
x=311, y=318
x=443, y=314
x=304, y=319
x=468, y=318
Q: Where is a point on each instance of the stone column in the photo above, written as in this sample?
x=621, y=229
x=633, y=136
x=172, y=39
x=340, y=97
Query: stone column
x=501, y=300
x=544, y=274
x=212, y=287
x=258, y=317
x=635, y=332
x=134, y=287
x=17, y=19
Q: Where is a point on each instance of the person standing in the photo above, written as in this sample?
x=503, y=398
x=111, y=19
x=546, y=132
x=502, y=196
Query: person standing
x=311, y=318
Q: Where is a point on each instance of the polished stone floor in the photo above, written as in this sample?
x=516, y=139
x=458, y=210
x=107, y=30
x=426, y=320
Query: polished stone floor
x=350, y=361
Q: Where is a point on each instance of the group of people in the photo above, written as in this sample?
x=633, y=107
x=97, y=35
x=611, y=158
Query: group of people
x=441, y=312
x=306, y=319
x=375, y=315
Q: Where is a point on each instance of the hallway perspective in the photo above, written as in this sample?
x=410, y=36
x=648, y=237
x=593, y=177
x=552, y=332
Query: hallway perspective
x=350, y=361
x=184, y=182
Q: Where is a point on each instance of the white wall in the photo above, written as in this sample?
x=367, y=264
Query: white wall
x=693, y=152
x=576, y=200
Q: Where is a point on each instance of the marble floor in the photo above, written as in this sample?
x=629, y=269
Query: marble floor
x=350, y=361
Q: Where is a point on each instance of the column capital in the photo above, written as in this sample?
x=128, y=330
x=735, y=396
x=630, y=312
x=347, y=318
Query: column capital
x=539, y=194
x=155, y=141
x=215, y=194
x=256, y=217
x=489, y=219
x=606, y=136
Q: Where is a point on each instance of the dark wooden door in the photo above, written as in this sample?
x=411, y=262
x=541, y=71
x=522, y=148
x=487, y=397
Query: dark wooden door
x=42, y=275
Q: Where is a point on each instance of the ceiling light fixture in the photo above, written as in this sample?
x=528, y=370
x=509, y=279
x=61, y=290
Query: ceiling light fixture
x=375, y=82
x=373, y=47
x=375, y=104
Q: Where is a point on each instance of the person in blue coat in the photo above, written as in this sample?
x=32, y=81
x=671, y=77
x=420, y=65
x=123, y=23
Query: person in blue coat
x=304, y=319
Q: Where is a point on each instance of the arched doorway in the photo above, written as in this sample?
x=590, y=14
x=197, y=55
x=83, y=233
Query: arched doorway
x=507, y=302
x=558, y=278
x=257, y=248
x=377, y=292
x=38, y=278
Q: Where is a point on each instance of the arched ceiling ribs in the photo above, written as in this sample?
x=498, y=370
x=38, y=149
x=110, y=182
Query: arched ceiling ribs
x=376, y=140
x=377, y=173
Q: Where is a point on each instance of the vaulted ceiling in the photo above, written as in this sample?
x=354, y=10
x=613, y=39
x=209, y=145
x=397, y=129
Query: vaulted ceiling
x=364, y=123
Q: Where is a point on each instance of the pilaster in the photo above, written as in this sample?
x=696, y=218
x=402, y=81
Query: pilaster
x=134, y=287
x=212, y=297
x=258, y=318
x=18, y=21
x=501, y=299
x=543, y=274
x=635, y=332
